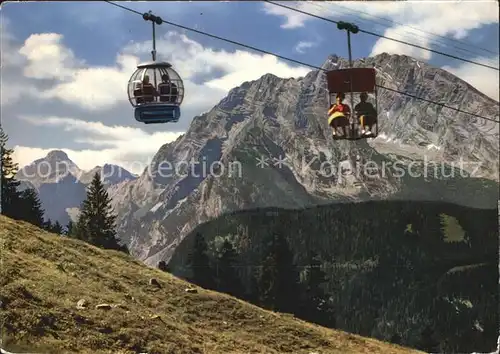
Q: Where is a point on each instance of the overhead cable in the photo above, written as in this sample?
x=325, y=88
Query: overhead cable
x=414, y=28
x=388, y=38
x=299, y=62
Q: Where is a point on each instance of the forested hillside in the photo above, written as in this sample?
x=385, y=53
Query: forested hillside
x=422, y=274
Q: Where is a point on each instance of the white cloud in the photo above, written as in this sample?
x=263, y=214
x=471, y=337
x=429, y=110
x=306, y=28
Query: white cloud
x=93, y=88
x=192, y=61
x=302, y=45
x=42, y=68
x=47, y=57
x=292, y=19
x=98, y=88
x=9, y=54
x=483, y=79
x=445, y=18
x=11, y=59
x=125, y=146
x=453, y=18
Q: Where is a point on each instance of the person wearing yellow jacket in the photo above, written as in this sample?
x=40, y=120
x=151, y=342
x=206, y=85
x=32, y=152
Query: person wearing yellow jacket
x=338, y=115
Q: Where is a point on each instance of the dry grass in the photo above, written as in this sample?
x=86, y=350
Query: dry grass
x=43, y=276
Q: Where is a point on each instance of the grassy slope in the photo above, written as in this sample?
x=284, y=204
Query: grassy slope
x=43, y=276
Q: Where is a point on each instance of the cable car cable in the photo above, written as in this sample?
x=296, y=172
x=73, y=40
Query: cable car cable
x=388, y=38
x=409, y=35
x=404, y=33
x=125, y=8
x=302, y=63
x=414, y=28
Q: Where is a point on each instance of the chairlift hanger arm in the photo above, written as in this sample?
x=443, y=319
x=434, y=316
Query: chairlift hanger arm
x=350, y=28
x=148, y=16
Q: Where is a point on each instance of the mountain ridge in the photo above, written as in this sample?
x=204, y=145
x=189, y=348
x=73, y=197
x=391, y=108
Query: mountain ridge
x=61, y=184
x=271, y=117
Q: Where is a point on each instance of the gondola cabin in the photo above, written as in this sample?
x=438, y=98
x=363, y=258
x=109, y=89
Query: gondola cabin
x=156, y=91
x=346, y=86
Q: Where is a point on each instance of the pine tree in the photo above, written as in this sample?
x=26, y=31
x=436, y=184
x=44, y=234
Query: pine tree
x=163, y=266
x=31, y=207
x=199, y=263
x=57, y=228
x=396, y=338
x=47, y=225
x=10, y=196
x=314, y=302
x=228, y=279
x=427, y=341
x=96, y=224
x=279, y=279
x=252, y=295
x=70, y=228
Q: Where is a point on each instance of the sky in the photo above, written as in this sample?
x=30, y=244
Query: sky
x=65, y=65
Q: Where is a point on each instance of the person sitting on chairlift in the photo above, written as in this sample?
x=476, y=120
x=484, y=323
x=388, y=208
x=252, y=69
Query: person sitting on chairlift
x=366, y=113
x=138, y=92
x=168, y=90
x=338, y=115
x=148, y=90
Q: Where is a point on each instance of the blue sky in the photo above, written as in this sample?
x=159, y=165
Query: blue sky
x=67, y=63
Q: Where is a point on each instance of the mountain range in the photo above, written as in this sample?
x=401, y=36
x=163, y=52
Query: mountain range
x=266, y=151
x=423, y=152
x=279, y=119
x=61, y=184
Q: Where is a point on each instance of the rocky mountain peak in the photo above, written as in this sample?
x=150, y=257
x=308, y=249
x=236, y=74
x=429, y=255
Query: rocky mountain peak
x=61, y=184
x=56, y=158
x=284, y=120
x=331, y=62
x=56, y=165
x=57, y=155
x=109, y=173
